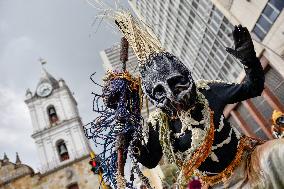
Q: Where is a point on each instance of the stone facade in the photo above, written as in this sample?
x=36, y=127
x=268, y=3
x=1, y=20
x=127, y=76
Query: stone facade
x=13, y=176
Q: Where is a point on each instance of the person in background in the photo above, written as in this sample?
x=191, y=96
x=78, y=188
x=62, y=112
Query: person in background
x=277, y=128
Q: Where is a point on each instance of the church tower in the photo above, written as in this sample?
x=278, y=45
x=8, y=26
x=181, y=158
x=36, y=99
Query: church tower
x=57, y=126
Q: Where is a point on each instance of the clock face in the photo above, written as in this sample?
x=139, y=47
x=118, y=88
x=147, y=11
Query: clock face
x=44, y=89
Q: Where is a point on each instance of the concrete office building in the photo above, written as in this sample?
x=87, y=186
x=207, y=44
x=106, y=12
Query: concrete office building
x=266, y=24
x=196, y=31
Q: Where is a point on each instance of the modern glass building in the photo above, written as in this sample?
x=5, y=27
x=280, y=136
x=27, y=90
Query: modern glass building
x=195, y=31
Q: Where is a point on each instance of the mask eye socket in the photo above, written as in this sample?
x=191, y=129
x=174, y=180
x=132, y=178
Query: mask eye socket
x=178, y=83
x=183, y=80
x=177, y=80
x=159, y=92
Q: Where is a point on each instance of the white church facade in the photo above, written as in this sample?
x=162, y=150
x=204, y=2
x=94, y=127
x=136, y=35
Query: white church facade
x=63, y=150
x=57, y=126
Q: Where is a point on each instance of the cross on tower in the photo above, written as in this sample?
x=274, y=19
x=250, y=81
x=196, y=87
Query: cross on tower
x=42, y=61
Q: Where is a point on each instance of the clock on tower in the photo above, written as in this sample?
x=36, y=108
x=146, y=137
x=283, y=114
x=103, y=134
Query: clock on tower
x=44, y=89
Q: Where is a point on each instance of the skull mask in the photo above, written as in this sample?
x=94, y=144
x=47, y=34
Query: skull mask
x=168, y=82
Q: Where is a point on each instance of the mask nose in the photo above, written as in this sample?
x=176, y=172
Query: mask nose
x=169, y=92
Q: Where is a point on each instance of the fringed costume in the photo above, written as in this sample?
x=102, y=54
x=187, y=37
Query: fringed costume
x=189, y=127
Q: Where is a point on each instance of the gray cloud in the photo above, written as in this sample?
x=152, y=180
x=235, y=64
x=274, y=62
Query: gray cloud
x=61, y=32
x=16, y=127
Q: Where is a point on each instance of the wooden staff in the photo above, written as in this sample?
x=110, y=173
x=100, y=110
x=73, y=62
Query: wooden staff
x=121, y=139
x=124, y=53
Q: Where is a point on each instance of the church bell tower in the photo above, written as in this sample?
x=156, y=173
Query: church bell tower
x=57, y=126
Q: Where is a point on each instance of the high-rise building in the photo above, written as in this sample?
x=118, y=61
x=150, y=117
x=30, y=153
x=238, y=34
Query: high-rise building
x=195, y=31
x=63, y=150
x=265, y=20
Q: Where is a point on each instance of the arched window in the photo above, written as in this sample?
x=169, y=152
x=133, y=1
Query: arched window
x=73, y=186
x=53, y=118
x=143, y=186
x=62, y=150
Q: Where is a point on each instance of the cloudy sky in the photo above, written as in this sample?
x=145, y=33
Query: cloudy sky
x=60, y=31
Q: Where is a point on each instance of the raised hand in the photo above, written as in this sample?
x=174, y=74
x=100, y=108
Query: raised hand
x=244, y=49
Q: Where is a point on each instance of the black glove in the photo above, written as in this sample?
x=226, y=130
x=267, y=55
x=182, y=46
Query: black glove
x=244, y=49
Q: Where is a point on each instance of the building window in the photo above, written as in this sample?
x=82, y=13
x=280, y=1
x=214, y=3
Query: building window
x=267, y=18
x=62, y=150
x=53, y=118
x=73, y=186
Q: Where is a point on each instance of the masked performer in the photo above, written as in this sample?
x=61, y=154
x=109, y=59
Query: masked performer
x=278, y=124
x=190, y=128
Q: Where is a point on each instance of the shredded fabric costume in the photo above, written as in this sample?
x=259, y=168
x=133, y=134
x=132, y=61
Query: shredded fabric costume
x=118, y=124
x=218, y=95
x=190, y=130
x=189, y=127
x=262, y=167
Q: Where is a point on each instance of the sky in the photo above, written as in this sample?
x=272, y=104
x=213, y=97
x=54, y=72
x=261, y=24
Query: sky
x=64, y=34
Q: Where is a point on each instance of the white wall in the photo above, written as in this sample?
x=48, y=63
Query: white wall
x=68, y=128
